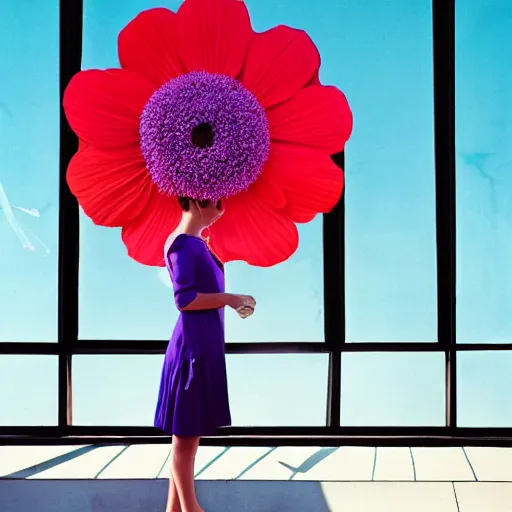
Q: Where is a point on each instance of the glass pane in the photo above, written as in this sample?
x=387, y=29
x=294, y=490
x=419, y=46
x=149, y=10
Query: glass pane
x=119, y=299
x=290, y=296
x=484, y=388
x=278, y=390
x=29, y=192
x=484, y=170
x=386, y=389
x=390, y=198
x=122, y=300
x=115, y=390
x=122, y=390
x=28, y=390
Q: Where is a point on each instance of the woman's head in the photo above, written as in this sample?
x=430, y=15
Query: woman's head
x=203, y=211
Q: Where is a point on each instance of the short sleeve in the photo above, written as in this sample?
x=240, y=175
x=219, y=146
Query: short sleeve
x=182, y=259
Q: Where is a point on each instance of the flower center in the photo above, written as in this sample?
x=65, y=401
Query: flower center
x=204, y=135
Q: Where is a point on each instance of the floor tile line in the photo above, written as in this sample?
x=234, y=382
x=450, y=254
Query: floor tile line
x=374, y=464
x=469, y=462
x=257, y=461
x=111, y=461
x=413, y=464
x=213, y=461
x=456, y=498
x=165, y=463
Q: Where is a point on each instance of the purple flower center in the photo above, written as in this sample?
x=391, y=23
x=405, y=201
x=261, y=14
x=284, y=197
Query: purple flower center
x=204, y=136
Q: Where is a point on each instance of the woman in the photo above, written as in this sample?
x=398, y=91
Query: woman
x=193, y=399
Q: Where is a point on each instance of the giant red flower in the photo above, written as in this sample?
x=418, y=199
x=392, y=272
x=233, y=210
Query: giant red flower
x=203, y=106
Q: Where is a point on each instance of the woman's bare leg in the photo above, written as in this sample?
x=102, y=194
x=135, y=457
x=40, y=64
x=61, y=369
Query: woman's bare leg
x=183, y=455
x=173, y=500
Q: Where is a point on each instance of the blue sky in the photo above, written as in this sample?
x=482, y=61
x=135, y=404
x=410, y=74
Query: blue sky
x=380, y=55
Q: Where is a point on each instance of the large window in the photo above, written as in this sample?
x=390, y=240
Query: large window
x=484, y=209
x=28, y=390
x=392, y=318
x=386, y=66
x=484, y=171
x=393, y=389
x=122, y=300
x=29, y=170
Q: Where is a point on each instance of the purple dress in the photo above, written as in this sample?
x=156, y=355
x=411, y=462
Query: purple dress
x=193, y=397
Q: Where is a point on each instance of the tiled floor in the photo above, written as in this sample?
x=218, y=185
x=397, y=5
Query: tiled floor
x=352, y=479
x=364, y=464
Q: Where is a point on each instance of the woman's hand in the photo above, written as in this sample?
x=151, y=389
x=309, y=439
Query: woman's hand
x=244, y=305
x=239, y=302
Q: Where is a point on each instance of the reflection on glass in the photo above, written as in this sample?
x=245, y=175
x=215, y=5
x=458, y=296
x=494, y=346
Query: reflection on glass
x=278, y=390
x=484, y=170
x=28, y=390
x=386, y=389
x=25, y=238
x=29, y=170
x=484, y=388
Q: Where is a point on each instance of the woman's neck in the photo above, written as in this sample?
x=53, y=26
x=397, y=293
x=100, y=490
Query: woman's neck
x=189, y=227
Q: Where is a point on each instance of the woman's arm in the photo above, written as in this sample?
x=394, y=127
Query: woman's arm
x=209, y=301
x=219, y=300
x=183, y=259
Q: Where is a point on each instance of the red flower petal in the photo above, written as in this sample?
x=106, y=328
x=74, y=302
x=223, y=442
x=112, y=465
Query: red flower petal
x=103, y=107
x=213, y=35
x=113, y=187
x=147, y=46
x=311, y=182
x=268, y=191
x=298, y=214
x=252, y=231
x=316, y=79
x=145, y=237
x=316, y=116
x=280, y=62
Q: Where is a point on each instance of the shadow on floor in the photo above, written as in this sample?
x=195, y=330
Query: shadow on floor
x=310, y=462
x=150, y=496
x=49, y=464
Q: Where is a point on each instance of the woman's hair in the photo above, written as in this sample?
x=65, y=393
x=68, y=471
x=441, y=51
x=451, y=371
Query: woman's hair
x=203, y=203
